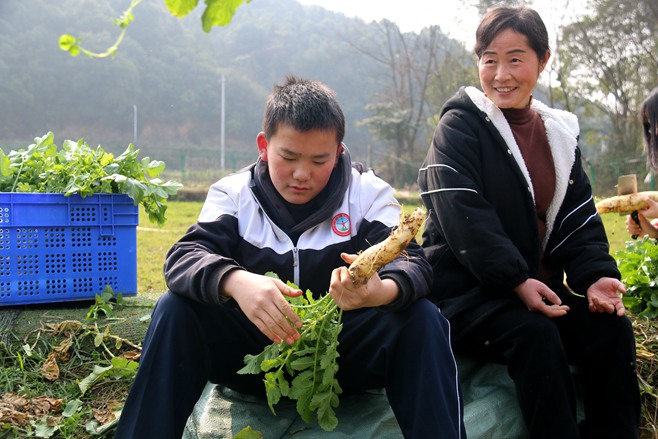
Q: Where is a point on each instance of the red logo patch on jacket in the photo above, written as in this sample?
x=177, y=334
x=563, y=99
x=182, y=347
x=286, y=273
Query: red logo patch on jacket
x=341, y=224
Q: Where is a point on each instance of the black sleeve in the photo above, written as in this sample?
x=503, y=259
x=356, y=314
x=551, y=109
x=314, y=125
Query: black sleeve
x=196, y=264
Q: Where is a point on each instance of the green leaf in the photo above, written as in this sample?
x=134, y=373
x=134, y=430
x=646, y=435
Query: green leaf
x=70, y=44
x=248, y=433
x=119, y=368
x=219, y=13
x=72, y=407
x=253, y=362
x=152, y=168
x=284, y=385
x=326, y=415
x=302, y=363
x=5, y=165
x=272, y=389
x=98, y=339
x=302, y=384
x=98, y=372
x=46, y=140
x=180, y=8
x=304, y=407
x=95, y=428
x=42, y=429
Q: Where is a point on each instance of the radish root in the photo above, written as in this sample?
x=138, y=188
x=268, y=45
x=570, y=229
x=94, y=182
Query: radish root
x=625, y=203
x=369, y=261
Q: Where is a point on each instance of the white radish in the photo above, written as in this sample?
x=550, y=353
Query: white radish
x=369, y=261
x=625, y=203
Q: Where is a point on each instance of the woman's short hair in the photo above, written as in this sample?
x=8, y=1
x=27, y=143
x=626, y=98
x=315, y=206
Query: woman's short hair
x=522, y=19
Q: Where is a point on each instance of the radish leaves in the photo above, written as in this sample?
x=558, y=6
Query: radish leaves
x=305, y=371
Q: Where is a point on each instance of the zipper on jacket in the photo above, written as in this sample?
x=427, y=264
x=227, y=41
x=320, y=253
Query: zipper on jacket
x=295, y=264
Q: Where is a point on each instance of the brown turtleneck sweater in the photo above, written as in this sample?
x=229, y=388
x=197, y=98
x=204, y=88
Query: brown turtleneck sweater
x=530, y=134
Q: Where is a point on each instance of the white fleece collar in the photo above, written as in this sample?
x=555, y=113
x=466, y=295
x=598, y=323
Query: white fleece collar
x=562, y=131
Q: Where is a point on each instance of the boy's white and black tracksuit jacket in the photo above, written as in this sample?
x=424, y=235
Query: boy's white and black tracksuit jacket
x=245, y=224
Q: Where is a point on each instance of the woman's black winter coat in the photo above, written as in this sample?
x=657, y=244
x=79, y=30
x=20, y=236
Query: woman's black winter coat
x=481, y=235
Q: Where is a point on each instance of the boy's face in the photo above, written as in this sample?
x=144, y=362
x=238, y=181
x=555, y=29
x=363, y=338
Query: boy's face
x=300, y=163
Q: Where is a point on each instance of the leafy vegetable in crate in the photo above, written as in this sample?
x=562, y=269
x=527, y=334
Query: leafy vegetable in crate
x=78, y=169
x=306, y=371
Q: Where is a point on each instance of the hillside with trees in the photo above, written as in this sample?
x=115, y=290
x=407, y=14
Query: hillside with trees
x=163, y=89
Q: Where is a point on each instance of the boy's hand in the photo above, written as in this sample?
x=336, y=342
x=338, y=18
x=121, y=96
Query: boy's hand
x=375, y=292
x=261, y=299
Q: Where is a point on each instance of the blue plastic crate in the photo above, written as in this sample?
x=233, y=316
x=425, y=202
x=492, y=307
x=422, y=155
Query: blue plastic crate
x=55, y=248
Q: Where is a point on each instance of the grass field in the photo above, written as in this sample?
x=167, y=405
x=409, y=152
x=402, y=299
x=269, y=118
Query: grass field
x=153, y=242
x=616, y=230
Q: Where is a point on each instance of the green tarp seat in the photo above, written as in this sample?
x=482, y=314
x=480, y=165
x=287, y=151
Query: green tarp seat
x=490, y=411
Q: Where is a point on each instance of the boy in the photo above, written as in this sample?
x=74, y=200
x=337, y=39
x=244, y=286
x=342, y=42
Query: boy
x=300, y=211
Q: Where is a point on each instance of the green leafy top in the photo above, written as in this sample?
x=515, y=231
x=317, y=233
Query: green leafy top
x=78, y=169
x=305, y=371
x=638, y=264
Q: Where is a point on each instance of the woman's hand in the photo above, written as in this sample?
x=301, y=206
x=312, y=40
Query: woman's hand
x=539, y=298
x=604, y=295
x=261, y=299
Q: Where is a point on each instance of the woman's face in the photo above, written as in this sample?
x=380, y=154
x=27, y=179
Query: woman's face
x=509, y=69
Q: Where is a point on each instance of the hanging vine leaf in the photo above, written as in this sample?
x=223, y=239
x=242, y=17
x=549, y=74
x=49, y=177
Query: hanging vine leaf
x=217, y=13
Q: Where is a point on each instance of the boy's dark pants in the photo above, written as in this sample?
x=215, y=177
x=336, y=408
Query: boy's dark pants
x=187, y=344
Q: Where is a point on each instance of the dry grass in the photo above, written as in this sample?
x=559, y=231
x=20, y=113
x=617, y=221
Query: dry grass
x=646, y=336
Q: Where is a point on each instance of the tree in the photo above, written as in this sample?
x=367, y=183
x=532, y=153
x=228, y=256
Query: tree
x=458, y=68
x=401, y=109
x=612, y=57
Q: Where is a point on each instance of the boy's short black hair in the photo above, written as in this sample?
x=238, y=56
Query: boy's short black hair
x=304, y=105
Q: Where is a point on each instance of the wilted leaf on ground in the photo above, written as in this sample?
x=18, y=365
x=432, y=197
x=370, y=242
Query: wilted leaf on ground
x=65, y=327
x=17, y=410
x=107, y=412
x=50, y=369
x=131, y=355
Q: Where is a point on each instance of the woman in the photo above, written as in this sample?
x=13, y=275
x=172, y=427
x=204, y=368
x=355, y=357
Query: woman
x=649, y=118
x=511, y=213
